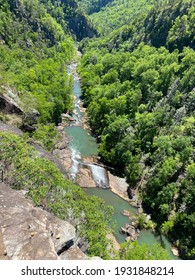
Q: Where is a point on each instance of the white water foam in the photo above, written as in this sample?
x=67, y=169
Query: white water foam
x=76, y=158
x=99, y=175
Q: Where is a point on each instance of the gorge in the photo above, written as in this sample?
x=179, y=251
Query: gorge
x=136, y=83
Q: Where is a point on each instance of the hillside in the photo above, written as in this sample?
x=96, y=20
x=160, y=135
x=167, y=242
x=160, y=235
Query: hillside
x=92, y=6
x=118, y=13
x=138, y=85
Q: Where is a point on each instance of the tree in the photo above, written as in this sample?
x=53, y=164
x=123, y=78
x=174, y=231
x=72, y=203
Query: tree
x=134, y=251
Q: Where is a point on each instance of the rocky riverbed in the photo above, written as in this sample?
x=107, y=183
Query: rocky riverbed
x=84, y=177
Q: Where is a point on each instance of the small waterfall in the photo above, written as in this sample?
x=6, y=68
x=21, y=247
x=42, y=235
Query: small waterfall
x=100, y=176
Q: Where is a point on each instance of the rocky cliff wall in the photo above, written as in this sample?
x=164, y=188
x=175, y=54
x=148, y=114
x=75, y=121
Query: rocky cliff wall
x=30, y=233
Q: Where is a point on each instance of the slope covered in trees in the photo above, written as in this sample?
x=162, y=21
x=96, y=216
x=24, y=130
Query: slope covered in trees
x=92, y=6
x=69, y=14
x=119, y=12
x=48, y=188
x=169, y=24
x=33, y=57
x=138, y=84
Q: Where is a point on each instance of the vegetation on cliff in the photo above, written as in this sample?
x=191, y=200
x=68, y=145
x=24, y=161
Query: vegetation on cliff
x=34, y=51
x=35, y=48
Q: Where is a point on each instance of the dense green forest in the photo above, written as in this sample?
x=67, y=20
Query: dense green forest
x=34, y=51
x=92, y=6
x=36, y=45
x=119, y=12
x=138, y=85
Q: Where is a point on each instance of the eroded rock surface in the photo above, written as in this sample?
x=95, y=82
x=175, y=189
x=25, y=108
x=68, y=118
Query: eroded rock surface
x=118, y=185
x=30, y=233
x=84, y=178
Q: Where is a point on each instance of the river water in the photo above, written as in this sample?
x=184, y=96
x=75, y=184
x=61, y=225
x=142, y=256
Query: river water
x=83, y=144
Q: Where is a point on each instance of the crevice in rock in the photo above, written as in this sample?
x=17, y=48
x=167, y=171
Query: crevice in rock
x=66, y=246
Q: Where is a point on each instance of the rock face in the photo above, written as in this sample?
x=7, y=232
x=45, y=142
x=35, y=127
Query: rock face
x=11, y=104
x=84, y=178
x=42, y=152
x=3, y=255
x=62, y=150
x=30, y=233
x=10, y=128
x=52, y=157
x=7, y=102
x=118, y=185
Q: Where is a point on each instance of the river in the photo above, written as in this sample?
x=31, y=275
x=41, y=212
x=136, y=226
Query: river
x=82, y=145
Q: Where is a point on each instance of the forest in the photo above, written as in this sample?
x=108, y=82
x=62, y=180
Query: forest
x=137, y=73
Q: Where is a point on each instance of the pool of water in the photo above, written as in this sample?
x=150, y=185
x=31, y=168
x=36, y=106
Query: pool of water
x=82, y=141
x=118, y=204
x=120, y=220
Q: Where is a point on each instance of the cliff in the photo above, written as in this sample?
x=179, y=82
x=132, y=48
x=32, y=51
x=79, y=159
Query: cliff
x=30, y=233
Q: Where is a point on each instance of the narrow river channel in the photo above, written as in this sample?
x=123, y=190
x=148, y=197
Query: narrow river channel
x=82, y=145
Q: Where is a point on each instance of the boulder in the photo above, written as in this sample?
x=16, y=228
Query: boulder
x=27, y=128
x=123, y=230
x=11, y=104
x=73, y=253
x=126, y=213
x=8, y=104
x=67, y=117
x=31, y=117
x=175, y=251
x=130, y=231
x=128, y=238
x=118, y=185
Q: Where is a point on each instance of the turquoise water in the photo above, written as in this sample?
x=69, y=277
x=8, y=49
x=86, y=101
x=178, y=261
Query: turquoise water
x=81, y=141
x=77, y=88
x=119, y=206
x=120, y=220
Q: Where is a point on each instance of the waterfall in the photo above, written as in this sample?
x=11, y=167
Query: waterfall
x=100, y=175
